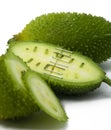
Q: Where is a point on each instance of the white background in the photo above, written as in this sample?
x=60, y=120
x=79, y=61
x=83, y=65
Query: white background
x=90, y=112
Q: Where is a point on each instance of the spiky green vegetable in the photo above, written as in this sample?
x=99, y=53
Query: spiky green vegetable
x=68, y=72
x=90, y=35
x=43, y=96
x=22, y=91
x=14, y=99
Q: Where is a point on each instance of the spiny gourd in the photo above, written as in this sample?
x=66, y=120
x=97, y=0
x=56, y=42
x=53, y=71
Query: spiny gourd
x=23, y=92
x=67, y=72
x=88, y=34
x=43, y=95
x=15, y=101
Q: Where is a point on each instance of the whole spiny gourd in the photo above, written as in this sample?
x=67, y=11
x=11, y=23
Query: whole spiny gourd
x=88, y=34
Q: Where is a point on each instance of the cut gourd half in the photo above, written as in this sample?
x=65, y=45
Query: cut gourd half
x=43, y=95
x=68, y=72
x=56, y=62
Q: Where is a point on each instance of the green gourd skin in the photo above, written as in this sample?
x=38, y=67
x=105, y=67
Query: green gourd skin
x=15, y=102
x=67, y=72
x=90, y=35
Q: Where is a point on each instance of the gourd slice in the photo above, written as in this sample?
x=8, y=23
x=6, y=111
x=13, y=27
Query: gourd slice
x=43, y=96
x=15, y=101
x=68, y=72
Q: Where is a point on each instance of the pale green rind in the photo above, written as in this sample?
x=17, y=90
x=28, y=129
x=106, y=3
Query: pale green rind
x=15, y=102
x=88, y=34
x=43, y=96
